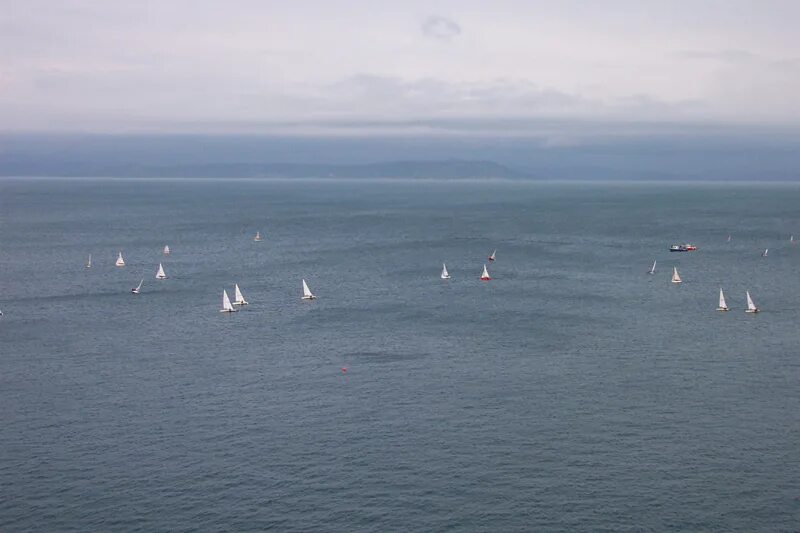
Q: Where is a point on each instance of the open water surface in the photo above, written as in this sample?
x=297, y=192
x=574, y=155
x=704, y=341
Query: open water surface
x=573, y=392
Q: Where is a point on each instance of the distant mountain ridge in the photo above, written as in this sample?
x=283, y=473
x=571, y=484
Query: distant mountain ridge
x=445, y=169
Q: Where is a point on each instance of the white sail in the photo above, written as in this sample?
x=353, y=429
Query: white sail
x=791, y=238
x=722, y=305
x=89, y=262
x=166, y=249
x=492, y=256
x=676, y=278
x=729, y=238
x=258, y=236
x=138, y=288
x=120, y=261
x=226, y=303
x=445, y=273
x=307, y=294
x=160, y=274
x=751, y=307
x=239, y=296
x=485, y=275
x=766, y=251
x=652, y=268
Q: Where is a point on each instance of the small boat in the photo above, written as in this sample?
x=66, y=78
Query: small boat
x=445, y=273
x=722, y=305
x=729, y=238
x=751, y=307
x=791, y=239
x=676, y=278
x=238, y=295
x=89, y=262
x=765, y=252
x=485, y=276
x=492, y=256
x=257, y=238
x=307, y=294
x=138, y=288
x=226, y=303
x=682, y=248
x=652, y=268
x=120, y=261
x=160, y=274
x=166, y=249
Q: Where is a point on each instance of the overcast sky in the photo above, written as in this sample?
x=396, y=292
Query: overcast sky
x=278, y=66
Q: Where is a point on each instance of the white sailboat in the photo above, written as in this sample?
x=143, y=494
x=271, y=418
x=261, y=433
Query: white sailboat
x=766, y=251
x=722, y=305
x=89, y=262
x=166, y=249
x=652, y=268
x=160, y=274
x=120, y=261
x=751, y=307
x=138, y=288
x=307, y=294
x=791, y=239
x=445, y=273
x=239, y=297
x=257, y=237
x=492, y=256
x=226, y=303
x=485, y=275
x=729, y=238
x=676, y=278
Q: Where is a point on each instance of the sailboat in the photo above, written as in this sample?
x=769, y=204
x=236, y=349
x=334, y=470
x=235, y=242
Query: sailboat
x=676, y=278
x=652, y=268
x=257, y=237
x=445, y=273
x=89, y=262
x=307, y=294
x=238, y=295
x=791, y=239
x=160, y=274
x=729, y=238
x=226, y=303
x=120, y=261
x=722, y=305
x=492, y=257
x=485, y=276
x=751, y=307
x=166, y=249
x=766, y=251
x=138, y=288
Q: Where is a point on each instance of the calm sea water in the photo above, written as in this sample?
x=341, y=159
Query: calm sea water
x=573, y=392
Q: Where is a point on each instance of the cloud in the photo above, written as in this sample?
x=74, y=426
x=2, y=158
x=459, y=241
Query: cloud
x=440, y=28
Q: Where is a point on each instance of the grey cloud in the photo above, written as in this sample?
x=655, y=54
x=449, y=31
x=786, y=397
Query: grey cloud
x=728, y=56
x=440, y=28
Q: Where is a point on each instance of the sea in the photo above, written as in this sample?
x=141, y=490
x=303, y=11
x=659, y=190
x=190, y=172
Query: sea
x=573, y=392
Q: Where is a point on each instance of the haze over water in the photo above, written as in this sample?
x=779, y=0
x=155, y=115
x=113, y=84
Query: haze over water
x=572, y=392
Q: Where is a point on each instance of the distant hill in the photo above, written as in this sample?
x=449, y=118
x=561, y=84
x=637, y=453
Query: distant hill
x=450, y=169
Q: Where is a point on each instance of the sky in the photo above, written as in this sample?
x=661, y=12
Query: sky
x=348, y=68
